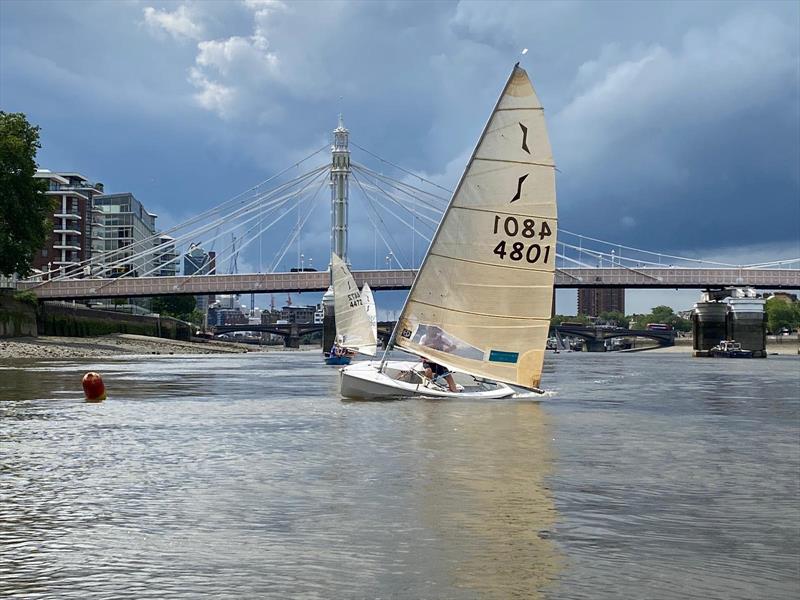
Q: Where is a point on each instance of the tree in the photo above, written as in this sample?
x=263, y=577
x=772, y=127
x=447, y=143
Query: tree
x=782, y=314
x=25, y=211
x=662, y=314
x=614, y=318
x=558, y=319
x=180, y=307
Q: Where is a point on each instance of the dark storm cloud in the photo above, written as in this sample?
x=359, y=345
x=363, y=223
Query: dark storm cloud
x=675, y=125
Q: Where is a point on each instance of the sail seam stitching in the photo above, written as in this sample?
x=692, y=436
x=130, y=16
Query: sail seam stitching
x=501, y=212
x=516, y=162
x=466, y=312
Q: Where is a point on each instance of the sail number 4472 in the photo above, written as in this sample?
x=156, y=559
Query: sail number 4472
x=531, y=252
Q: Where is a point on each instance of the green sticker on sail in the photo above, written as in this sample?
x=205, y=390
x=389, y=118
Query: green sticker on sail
x=500, y=356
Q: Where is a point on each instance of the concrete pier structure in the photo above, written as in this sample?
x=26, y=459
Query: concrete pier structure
x=709, y=325
x=340, y=175
x=747, y=323
x=732, y=314
x=328, y=321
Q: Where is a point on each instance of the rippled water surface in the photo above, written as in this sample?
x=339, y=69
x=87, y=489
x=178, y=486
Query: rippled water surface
x=641, y=476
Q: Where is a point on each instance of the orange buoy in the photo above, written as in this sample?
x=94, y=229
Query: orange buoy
x=93, y=387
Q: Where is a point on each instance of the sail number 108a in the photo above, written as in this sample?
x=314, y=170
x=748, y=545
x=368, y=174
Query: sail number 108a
x=531, y=252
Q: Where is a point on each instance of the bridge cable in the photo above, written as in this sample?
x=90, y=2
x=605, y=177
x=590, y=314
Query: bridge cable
x=298, y=227
x=432, y=223
x=399, y=202
x=375, y=225
x=76, y=268
x=276, y=204
x=173, y=244
x=400, y=168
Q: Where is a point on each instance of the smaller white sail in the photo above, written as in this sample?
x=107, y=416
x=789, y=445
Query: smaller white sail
x=372, y=311
x=354, y=330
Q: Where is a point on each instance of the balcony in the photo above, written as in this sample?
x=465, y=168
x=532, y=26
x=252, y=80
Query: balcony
x=68, y=231
x=66, y=247
x=68, y=216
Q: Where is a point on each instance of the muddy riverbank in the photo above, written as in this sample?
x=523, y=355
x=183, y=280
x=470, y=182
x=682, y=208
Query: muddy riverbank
x=115, y=344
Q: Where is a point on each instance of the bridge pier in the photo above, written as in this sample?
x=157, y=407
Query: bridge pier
x=328, y=321
x=293, y=339
x=594, y=345
x=740, y=318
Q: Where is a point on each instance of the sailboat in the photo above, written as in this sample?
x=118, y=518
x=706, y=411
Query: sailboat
x=481, y=303
x=355, y=331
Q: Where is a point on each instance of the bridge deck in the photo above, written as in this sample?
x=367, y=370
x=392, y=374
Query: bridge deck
x=318, y=281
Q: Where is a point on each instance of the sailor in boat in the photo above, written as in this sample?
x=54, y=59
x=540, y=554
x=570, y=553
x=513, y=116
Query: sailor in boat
x=434, y=339
x=338, y=350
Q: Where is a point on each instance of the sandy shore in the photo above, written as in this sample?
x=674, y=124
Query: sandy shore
x=113, y=345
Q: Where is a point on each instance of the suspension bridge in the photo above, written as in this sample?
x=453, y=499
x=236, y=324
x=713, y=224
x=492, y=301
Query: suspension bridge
x=400, y=208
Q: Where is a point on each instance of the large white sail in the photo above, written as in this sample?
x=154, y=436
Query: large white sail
x=353, y=327
x=487, y=280
x=372, y=310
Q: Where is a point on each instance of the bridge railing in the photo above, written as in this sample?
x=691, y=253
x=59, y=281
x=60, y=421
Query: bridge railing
x=394, y=279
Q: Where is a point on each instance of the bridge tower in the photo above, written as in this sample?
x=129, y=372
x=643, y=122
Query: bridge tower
x=340, y=175
x=340, y=187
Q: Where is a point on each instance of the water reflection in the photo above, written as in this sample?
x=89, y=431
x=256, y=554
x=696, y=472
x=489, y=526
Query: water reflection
x=246, y=476
x=485, y=496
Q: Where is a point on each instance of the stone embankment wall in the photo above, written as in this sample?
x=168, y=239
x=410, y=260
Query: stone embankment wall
x=65, y=319
x=20, y=318
x=16, y=318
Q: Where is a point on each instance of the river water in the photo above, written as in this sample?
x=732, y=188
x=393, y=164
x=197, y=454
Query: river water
x=241, y=476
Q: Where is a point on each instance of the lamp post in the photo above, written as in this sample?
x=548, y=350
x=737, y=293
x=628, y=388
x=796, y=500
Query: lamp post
x=302, y=261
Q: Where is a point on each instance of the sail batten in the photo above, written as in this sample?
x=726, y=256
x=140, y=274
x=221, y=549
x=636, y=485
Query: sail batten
x=482, y=299
x=491, y=315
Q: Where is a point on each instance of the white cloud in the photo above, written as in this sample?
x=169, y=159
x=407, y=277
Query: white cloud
x=180, y=24
x=232, y=73
x=238, y=57
x=213, y=96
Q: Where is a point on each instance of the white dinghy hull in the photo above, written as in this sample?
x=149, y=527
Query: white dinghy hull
x=403, y=379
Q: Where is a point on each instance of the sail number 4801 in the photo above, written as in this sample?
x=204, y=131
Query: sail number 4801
x=514, y=227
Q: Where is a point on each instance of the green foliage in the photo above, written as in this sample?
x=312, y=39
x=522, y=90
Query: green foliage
x=27, y=297
x=661, y=314
x=558, y=319
x=781, y=313
x=196, y=317
x=25, y=210
x=614, y=318
x=180, y=307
